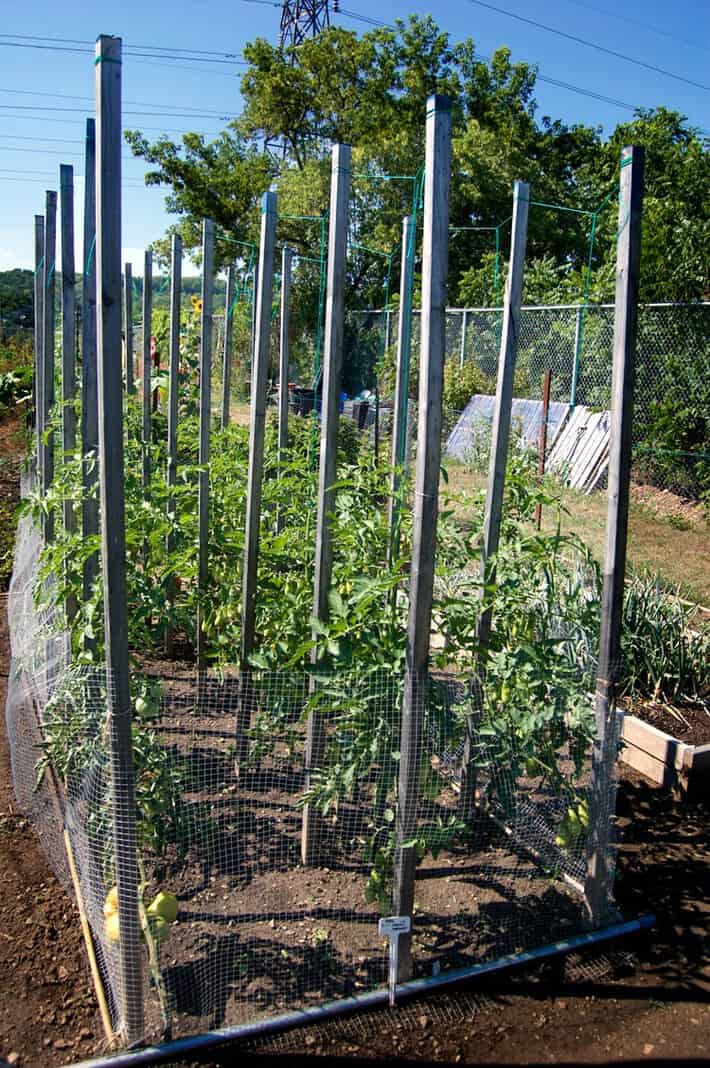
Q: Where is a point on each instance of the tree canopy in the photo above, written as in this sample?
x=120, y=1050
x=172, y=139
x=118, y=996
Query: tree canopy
x=370, y=91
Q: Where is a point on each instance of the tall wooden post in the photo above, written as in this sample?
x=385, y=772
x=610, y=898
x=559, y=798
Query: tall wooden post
x=146, y=366
x=108, y=256
x=128, y=327
x=38, y=335
x=66, y=205
x=227, y=350
x=257, y=425
x=332, y=372
x=500, y=437
x=599, y=878
x=89, y=372
x=173, y=393
x=401, y=390
x=203, y=478
x=286, y=262
x=426, y=503
x=49, y=287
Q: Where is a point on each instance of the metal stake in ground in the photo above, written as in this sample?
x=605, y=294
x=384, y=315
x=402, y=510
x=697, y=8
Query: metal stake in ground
x=66, y=204
x=38, y=335
x=113, y=547
x=145, y=365
x=128, y=326
x=257, y=426
x=599, y=878
x=203, y=478
x=286, y=258
x=332, y=371
x=500, y=437
x=435, y=256
x=89, y=382
x=401, y=390
x=173, y=390
x=227, y=351
x=48, y=286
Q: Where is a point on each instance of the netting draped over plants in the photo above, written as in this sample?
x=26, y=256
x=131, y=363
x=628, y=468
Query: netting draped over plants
x=257, y=933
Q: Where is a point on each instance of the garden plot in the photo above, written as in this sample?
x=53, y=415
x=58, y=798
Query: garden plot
x=258, y=933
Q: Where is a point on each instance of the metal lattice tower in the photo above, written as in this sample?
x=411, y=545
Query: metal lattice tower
x=301, y=19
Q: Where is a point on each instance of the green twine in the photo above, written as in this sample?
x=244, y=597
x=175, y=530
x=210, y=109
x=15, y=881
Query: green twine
x=90, y=256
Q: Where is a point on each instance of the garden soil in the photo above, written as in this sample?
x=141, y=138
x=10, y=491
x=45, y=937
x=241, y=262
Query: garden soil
x=650, y=1001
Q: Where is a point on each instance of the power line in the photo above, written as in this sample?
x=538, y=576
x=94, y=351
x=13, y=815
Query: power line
x=90, y=100
x=153, y=48
x=639, y=22
x=589, y=44
x=153, y=114
x=77, y=125
x=64, y=44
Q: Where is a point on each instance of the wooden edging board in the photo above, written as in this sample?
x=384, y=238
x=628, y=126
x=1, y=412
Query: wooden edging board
x=664, y=759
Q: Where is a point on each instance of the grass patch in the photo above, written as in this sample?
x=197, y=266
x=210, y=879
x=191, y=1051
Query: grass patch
x=679, y=552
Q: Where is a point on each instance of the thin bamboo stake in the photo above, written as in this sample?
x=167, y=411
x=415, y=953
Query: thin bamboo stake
x=90, y=950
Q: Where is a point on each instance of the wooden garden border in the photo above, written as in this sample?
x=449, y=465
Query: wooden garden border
x=664, y=759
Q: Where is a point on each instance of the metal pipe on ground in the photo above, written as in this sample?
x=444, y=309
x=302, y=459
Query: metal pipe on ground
x=185, y=1047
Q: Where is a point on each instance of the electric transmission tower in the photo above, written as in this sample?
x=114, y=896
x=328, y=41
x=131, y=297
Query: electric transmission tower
x=301, y=19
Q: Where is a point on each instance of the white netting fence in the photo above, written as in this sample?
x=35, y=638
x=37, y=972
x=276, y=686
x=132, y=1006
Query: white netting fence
x=219, y=825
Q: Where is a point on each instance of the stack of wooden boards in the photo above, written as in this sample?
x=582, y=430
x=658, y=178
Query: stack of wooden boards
x=577, y=438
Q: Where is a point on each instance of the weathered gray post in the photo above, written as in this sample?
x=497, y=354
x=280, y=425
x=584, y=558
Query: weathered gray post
x=227, y=350
x=203, y=478
x=128, y=326
x=500, y=437
x=599, y=878
x=401, y=390
x=332, y=371
x=286, y=259
x=49, y=287
x=108, y=256
x=257, y=425
x=66, y=205
x=464, y=328
x=89, y=380
x=38, y=335
x=173, y=394
x=146, y=366
x=435, y=256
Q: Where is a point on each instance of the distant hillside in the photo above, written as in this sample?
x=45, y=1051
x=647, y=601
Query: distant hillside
x=16, y=300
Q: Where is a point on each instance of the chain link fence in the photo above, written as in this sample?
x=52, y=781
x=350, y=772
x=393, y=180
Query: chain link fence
x=575, y=343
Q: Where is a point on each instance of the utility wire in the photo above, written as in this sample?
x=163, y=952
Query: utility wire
x=90, y=100
x=589, y=44
x=640, y=22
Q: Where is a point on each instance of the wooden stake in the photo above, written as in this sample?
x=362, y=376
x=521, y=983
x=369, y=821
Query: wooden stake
x=401, y=391
x=66, y=190
x=89, y=943
x=286, y=262
x=464, y=328
x=599, y=877
x=542, y=445
x=173, y=394
x=203, y=478
x=332, y=370
x=146, y=366
x=257, y=426
x=49, y=287
x=426, y=503
x=500, y=437
x=227, y=350
x=128, y=327
x=89, y=374
x=38, y=335
x=113, y=544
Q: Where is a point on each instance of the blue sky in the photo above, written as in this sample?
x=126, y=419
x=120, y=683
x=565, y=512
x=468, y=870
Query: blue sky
x=35, y=137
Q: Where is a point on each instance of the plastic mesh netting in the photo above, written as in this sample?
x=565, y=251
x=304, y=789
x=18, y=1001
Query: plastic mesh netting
x=221, y=781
